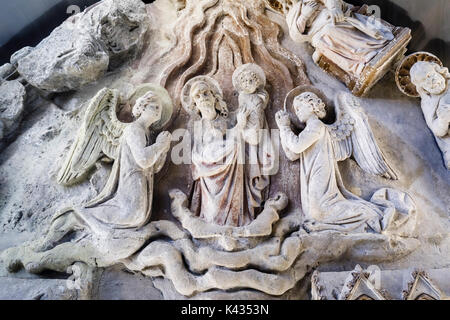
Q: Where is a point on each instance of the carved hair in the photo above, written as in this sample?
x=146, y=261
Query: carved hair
x=143, y=102
x=253, y=75
x=250, y=68
x=317, y=105
x=220, y=104
x=420, y=70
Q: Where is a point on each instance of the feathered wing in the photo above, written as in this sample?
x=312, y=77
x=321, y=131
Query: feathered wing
x=352, y=135
x=99, y=136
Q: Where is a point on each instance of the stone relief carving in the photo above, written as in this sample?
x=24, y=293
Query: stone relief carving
x=229, y=180
x=238, y=217
x=422, y=287
x=357, y=48
x=214, y=37
x=103, y=135
x=249, y=81
x=326, y=202
x=423, y=75
x=373, y=283
x=85, y=47
x=126, y=200
x=199, y=257
x=359, y=285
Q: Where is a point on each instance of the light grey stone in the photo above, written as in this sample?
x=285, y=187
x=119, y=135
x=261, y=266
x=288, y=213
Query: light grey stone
x=116, y=284
x=12, y=97
x=64, y=61
x=273, y=256
x=19, y=55
x=35, y=289
x=119, y=28
x=2, y=130
x=386, y=284
x=6, y=70
x=82, y=49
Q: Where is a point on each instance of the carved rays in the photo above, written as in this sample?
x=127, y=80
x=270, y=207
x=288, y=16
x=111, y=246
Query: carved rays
x=216, y=36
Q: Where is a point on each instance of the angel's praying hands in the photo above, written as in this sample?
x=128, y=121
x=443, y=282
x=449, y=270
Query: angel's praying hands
x=147, y=111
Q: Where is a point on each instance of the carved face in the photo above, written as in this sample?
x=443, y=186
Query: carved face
x=425, y=75
x=148, y=109
x=250, y=82
x=205, y=100
x=307, y=105
x=434, y=83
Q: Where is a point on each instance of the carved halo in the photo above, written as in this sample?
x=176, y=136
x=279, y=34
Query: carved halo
x=186, y=100
x=167, y=105
x=249, y=67
x=289, y=101
x=279, y=6
x=402, y=74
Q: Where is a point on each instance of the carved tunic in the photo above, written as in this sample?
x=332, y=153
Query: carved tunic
x=132, y=203
x=259, y=153
x=324, y=197
x=219, y=179
x=256, y=103
x=227, y=191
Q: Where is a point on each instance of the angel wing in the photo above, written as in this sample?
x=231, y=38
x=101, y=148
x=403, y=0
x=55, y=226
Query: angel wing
x=351, y=135
x=98, y=136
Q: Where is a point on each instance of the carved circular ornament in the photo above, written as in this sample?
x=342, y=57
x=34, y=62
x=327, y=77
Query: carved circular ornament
x=249, y=67
x=167, y=105
x=186, y=100
x=402, y=74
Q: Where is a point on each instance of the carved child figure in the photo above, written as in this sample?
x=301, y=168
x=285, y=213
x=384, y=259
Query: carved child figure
x=431, y=81
x=227, y=191
x=249, y=80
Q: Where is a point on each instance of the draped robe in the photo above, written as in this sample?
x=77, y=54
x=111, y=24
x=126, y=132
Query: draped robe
x=350, y=44
x=228, y=189
x=126, y=200
x=325, y=199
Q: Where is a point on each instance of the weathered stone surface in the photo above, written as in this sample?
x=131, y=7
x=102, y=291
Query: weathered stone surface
x=6, y=70
x=66, y=60
x=335, y=28
x=413, y=78
x=386, y=284
x=35, y=289
x=12, y=96
x=82, y=49
x=119, y=27
x=22, y=53
x=117, y=284
x=191, y=258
